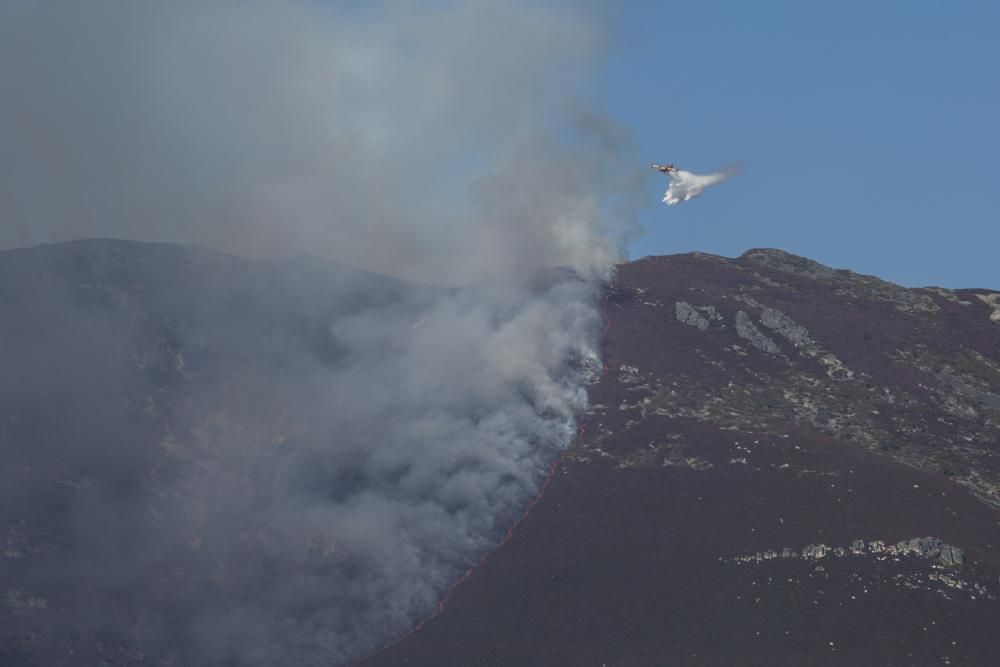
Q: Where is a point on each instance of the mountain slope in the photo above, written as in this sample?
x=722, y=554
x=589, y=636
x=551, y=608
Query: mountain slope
x=167, y=447
x=782, y=464
x=213, y=460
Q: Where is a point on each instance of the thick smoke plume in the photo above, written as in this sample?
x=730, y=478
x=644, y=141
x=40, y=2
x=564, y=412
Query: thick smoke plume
x=387, y=137
x=283, y=500
x=685, y=185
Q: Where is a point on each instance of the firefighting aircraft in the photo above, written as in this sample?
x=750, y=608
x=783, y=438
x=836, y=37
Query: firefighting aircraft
x=685, y=185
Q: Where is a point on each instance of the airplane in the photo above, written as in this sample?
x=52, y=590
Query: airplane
x=685, y=185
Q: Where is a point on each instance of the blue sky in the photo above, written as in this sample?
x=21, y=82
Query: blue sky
x=870, y=130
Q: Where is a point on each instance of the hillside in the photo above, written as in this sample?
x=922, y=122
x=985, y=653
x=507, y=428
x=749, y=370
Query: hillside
x=782, y=464
x=169, y=436
x=213, y=460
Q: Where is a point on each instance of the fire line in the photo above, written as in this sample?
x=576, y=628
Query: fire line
x=553, y=467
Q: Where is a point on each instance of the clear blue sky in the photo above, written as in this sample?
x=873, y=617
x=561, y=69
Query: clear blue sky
x=871, y=130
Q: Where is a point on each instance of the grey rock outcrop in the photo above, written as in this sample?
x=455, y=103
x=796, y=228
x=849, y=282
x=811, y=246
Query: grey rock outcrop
x=993, y=301
x=795, y=333
x=687, y=314
x=628, y=374
x=745, y=328
x=931, y=548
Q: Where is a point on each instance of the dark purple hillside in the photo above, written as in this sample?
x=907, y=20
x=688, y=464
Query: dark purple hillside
x=783, y=464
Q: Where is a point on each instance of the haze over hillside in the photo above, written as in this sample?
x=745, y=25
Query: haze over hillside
x=256, y=459
x=212, y=459
x=249, y=457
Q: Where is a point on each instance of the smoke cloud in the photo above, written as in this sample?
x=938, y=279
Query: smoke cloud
x=685, y=185
x=271, y=129
x=284, y=461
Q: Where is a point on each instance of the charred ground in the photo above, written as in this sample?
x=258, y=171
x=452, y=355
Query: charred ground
x=782, y=464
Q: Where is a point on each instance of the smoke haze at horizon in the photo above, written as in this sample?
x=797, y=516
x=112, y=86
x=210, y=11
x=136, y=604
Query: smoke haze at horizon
x=389, y=138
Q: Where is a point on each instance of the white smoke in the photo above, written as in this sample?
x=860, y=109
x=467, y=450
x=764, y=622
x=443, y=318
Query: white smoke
x=428, y=141
x=378, y=137
x=686, y=185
